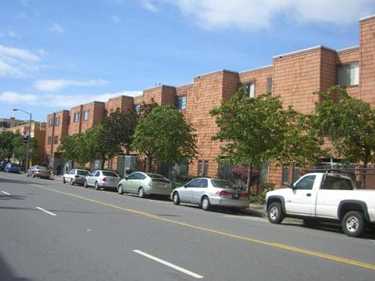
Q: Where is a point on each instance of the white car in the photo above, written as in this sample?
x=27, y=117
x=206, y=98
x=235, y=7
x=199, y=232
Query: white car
x=324, y=196
x=102, y=179
x=75, y=176
x=145, y=184
x=207, y=192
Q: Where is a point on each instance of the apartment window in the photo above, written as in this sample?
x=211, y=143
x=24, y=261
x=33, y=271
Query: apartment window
x=181, y=102
x=50, y=122
x=202, y=168
x=348, y=74
x=55, y=140
x=137, y=108
x=250, y=89
x=269, y=85
x=49, y=141
x=285, y=175
x=85, y=115
x=76, y=117
x=57, y=122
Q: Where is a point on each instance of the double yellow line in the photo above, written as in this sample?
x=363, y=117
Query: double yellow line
x=280, y=246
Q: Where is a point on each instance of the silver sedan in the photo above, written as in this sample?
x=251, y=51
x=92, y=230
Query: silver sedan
x=207, y=192
x=102, y=179
x=145, y=184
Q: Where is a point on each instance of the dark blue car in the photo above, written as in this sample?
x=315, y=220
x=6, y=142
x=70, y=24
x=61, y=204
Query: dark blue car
x=12, y=168
x=3, y=165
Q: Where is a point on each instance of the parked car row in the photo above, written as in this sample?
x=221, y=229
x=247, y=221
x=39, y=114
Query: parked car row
x=204, y=192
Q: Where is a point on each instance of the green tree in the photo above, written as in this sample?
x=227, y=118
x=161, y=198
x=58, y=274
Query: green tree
x=74, y=148
x=7, y=145
x=163, y=135
x=258, y=130
x=118, y=129
x=350, y=125
x=19, y=151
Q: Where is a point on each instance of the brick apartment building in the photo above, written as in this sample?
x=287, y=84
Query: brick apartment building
x=293, y=76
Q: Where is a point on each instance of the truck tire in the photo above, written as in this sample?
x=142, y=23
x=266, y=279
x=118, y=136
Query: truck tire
x=275, y=213
x=353, y=223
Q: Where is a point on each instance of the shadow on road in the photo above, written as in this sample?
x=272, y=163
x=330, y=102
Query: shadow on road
x=7, y=274
x=12, y=197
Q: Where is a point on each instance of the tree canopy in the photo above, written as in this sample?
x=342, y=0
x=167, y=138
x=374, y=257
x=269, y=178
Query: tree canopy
x=164, y=135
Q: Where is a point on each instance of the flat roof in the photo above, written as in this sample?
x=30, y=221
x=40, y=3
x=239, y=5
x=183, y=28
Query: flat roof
x=256, y=69
x=303, y=50
x=367, y=17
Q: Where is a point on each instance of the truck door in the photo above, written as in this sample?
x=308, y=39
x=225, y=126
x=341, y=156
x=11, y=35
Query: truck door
x=301, y=200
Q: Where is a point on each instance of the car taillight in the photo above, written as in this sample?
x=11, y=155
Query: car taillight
x=104, y=179
x=244, y=194
x=224, y=193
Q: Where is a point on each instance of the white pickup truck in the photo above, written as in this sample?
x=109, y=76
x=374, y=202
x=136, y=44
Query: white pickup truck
x=324, y=196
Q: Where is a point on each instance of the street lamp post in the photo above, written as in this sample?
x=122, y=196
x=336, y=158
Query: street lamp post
x=28, y=138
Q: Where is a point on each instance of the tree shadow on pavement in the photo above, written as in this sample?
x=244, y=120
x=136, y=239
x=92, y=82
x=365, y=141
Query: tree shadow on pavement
x=7, y=274
x=12, y=197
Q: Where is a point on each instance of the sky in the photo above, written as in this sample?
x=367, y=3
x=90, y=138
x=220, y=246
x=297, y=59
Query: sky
x=56, y=54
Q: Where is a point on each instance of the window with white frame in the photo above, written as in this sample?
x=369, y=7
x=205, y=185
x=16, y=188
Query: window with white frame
x=76, y=117
x=348, y=74
x=181, y=103
x=250, y=89
x=86, y=115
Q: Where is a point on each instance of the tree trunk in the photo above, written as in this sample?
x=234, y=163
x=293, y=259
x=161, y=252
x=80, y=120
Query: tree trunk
x=249, y=177
x=103, y=162
x=364, y=175
x=148, y=164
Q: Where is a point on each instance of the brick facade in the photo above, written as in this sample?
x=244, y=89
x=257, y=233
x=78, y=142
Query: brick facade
x=295, y=77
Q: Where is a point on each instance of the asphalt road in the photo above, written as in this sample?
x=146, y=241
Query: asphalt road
x=51, y=231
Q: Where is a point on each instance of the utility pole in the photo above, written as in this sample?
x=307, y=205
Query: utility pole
x=28, y=137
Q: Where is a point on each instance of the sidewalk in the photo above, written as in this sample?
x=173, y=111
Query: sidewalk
x=256, y=210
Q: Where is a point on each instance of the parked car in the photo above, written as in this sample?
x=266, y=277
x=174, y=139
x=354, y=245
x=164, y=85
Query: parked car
x=317, y=197
x=12, y=168
x=38, y=171
x=102, y=179
x=3, y=164
x=207, y=192
x=145, y=184
x=75, y=176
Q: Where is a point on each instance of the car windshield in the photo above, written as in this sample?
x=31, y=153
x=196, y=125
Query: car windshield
x=222, y=184
x=109, y=174
x=82, y=172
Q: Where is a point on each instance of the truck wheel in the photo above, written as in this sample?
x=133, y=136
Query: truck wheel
x=353, y=224
x=275, y=213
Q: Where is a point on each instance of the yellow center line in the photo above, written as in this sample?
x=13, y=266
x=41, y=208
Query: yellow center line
x=281, y=246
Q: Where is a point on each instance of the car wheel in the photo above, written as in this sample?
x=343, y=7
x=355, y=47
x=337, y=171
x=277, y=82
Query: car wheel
x=96, y=186
x=33, y=176
x=176, y=198
x=205, y=203
x=353, y=224
x=71, y=182
x=275, y=213
x=119, y=189
x=141, y=193
x=64, y=182
x=85, y=184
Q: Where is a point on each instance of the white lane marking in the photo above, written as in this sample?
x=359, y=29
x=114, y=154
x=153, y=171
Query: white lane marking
x=171, y=265
x=45, y=211
x=6, y=193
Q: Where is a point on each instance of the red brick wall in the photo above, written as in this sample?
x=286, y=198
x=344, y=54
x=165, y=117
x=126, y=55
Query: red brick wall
x=122, y=103
x=56, y=131
x=208, y=91
x=367, y=63
x=259, y=76
x=75, y=127
x=347, y=56
x=161, y=95
x=296, y=77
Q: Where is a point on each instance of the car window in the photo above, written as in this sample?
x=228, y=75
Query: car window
x=97, y=174
x=109, y=174
x=156, y=176
x=71, y=172
x=140, y=176
x=306, y=183
x=337, y=183
x=82, y=172
x=222, y=184
x=193, y=183
x=203, y=183
x=132, y=176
